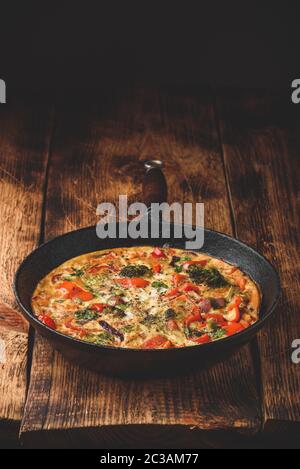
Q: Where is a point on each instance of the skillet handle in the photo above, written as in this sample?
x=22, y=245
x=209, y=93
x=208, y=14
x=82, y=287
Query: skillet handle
x=155, y=189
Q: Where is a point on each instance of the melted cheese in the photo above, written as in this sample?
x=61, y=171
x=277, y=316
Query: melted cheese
x=89, y=298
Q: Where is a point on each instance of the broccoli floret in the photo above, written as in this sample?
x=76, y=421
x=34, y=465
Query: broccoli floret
x=132, y=271
x=210, y=277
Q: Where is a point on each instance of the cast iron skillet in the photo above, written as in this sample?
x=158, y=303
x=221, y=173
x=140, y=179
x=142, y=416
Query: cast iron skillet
x=126, y=362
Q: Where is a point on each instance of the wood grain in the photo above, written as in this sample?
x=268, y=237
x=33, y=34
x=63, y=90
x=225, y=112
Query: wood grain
x=261, y=147
x=24, y=140
x=98, y=154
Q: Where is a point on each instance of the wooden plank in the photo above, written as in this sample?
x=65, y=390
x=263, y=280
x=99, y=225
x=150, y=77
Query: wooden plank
x=97, y=156
x=24, y=141
x=261, y=148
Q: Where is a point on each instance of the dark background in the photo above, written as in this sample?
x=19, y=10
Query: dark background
x=70, y=44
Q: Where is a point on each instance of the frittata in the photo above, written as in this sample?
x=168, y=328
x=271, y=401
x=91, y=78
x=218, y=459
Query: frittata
x=147, y=298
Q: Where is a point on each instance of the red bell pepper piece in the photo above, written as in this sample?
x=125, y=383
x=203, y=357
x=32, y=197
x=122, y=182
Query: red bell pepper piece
x=124, y=282
x=168, y=344
x=192, y=318
x=172, y=293
x=133, y=282
x=108, y=257
x=233, y=328
x=190, y=287
x=99, y=307
x=74, y=291
x=158, y=253
x=68, y=286
x=97, y=268
x=204, y=339
x=241, y=283
x=172, y=325
x=236, y=302
x=45, y=319
x=158, y=341
x=139, y=283
x=79, y=329
x=83, y=332
x=178, y=279
x=234, y=315
x=157, y=268
x=182, y=298
x=233, y=312
x=84, y=295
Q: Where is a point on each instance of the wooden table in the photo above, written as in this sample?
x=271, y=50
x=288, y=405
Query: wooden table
x=236, y=151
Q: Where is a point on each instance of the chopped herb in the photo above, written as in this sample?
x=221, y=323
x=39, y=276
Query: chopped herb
x=93, y=282
x=85, y=315
x=128, y=328
x=218, y=334
x=77, y=272
x=186, y=258
x=132, y=271
x=103, y=338
x=152, y=320
x=123, y=307
x=178, y=269
x=117, y=292
x=160, y=285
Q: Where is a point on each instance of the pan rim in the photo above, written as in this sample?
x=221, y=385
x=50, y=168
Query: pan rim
x=87, y=345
